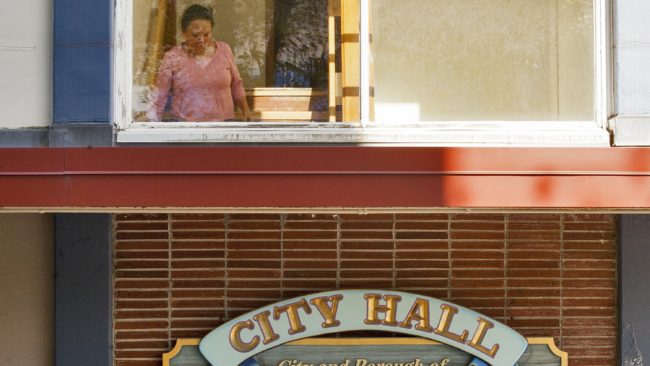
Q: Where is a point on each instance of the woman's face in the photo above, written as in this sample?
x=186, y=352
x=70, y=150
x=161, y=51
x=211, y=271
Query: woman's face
x=197, y=36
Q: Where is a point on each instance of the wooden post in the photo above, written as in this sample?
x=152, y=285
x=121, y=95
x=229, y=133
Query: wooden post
x=350, y=59
x=333, y=11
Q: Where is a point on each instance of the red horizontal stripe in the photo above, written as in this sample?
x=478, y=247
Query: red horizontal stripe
x=325, y=177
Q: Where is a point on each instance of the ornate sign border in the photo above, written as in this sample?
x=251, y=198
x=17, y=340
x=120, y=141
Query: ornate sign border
x=548, y=341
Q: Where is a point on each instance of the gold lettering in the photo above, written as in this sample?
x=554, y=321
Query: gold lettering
x=444, y=362
x=479, y=336
x=419, y=312
x=390, y=309
x=267, y=330
x=328, y=313
x=235, y=337
x=446, y=318
x=292, y=314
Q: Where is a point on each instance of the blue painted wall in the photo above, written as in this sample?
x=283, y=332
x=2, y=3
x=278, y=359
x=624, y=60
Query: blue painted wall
x=82, y=60
x=82, y=95
x=82, y=290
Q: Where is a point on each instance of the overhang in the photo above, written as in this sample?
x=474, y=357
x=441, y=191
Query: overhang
x=323, y=178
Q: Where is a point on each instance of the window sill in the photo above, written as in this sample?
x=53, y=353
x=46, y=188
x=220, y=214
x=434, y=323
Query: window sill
x=483, y=133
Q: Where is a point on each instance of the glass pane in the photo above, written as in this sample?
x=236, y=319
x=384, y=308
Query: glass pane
x=468, y=60
x=194, y=60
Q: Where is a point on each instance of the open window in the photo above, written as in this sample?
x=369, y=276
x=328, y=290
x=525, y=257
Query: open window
x=436, y=72
x=287, y=54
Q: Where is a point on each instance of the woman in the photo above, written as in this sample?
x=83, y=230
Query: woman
x=200, y=75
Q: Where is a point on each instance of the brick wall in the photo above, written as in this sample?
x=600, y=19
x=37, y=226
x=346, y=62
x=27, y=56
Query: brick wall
x=182, y=275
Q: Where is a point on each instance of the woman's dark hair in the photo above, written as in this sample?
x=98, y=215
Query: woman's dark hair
x=194, y=12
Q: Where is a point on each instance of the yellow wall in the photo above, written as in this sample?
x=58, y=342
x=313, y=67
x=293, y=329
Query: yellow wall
x=484, y=60
x=27, y=285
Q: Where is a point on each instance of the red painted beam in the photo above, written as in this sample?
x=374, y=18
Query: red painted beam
x=303, y=177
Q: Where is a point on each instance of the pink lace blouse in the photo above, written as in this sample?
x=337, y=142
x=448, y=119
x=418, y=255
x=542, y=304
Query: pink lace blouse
x=198, y=93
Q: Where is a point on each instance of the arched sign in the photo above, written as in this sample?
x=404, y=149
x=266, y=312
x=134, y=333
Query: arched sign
x=349, y=310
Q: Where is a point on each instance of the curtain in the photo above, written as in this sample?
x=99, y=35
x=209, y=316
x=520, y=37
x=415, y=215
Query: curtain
x=162, y=36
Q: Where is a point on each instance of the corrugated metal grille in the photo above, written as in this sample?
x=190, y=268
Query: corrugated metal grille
x=181, y=275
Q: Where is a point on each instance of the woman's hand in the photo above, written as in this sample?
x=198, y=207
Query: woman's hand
x=247, y=115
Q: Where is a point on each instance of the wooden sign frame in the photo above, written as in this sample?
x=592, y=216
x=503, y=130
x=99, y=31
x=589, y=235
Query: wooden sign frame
x=548, y=341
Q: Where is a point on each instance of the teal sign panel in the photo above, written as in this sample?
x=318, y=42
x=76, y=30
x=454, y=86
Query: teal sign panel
x=349, y=310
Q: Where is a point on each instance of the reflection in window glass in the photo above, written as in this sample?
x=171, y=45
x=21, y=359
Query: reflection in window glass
x=482, y=60
x=300, y=40
x=210, y=60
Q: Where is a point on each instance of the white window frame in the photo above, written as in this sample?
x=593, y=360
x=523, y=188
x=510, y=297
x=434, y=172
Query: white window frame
x=438, y=133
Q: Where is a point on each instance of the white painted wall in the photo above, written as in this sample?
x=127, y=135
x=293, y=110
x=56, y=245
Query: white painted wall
x=631, y=41
x=25, y=63
x=633, y=56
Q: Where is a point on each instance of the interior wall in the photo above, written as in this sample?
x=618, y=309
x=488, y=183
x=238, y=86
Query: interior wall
x=26, y=59
x=483, y=60
x=26, y=280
